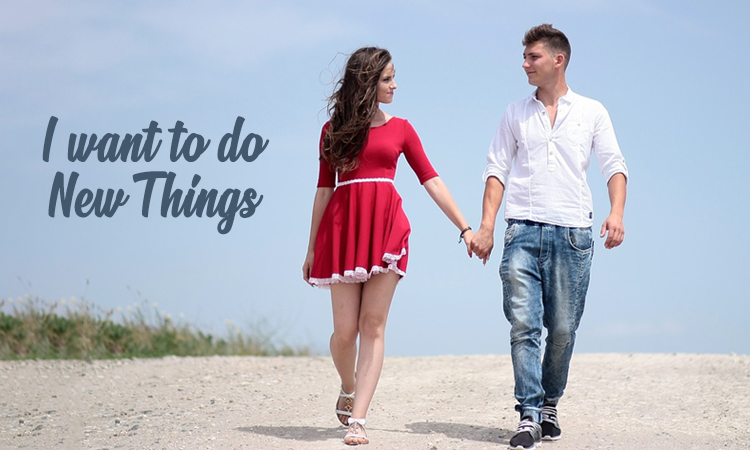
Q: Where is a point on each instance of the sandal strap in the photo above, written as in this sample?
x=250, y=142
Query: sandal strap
x=344, y=406
x=345, y=412
x=345, y=395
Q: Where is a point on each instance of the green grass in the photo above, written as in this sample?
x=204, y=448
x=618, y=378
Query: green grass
x=31, y=328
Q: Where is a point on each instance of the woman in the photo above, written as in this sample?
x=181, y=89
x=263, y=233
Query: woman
x=359, y=234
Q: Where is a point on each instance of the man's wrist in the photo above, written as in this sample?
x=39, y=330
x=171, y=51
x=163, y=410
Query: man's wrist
x=489, y=227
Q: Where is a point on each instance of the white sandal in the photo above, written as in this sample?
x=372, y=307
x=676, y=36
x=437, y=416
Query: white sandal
x=356, y=435
x=344, y=406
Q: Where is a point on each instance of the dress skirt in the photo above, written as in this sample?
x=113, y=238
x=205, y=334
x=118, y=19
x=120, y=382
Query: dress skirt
x=363, y=232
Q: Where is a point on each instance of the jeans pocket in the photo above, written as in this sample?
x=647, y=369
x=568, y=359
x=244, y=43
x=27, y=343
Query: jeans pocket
x=581, y=239
x=510, y=233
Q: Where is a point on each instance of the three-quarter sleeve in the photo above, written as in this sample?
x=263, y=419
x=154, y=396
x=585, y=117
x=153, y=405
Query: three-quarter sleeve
x=415, y=154
x=326, y=176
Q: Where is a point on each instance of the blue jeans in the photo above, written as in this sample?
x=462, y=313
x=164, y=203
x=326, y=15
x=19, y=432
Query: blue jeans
x=545, y=273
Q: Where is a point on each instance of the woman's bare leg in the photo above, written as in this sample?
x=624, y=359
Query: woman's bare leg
x=377, y=294
x=345, y=300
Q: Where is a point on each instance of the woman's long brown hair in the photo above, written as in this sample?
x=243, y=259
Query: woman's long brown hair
x=352, y=107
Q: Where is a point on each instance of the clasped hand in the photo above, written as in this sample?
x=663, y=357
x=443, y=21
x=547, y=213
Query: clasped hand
x=481, y=244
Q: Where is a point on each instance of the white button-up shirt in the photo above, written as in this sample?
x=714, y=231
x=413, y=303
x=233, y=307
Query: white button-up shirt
x=543, y=168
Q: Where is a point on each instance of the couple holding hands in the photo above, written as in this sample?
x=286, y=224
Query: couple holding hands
x=537, y=160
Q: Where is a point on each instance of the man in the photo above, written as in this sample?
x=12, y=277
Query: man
x=538, y=158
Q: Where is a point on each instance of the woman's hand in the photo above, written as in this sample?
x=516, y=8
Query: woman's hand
x=307, y=266
x=468, y=237
x=322, y=196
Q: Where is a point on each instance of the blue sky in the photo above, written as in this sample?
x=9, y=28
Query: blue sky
x=672, y=75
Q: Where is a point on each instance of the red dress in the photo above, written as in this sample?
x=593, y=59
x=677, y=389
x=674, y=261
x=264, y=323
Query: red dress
x=364, y=231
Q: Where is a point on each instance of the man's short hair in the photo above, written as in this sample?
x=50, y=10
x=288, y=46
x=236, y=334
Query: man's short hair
x=553, y=39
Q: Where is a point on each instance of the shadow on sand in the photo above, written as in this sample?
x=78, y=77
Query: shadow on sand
x=296, y=433
x=462, y=431
x=458, y=431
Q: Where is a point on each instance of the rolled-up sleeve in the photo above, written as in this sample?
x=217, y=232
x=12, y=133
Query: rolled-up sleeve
x=606, y=148
x=502, y=150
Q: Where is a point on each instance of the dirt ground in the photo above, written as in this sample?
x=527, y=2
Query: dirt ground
x=613, y=401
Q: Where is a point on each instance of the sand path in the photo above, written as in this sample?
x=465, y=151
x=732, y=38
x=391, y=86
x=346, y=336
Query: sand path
x=613, y=401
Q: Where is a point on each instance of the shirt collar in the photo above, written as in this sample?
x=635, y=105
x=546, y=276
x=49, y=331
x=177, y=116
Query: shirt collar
x=568, y=98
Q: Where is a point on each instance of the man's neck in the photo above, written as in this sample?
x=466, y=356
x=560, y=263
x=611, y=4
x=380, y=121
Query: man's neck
x=549, y=95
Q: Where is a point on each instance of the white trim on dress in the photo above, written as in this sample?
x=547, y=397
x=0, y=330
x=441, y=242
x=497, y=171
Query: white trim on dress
x=361, y=274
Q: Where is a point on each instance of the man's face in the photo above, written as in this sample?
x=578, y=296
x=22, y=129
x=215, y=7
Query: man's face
x=538, y=64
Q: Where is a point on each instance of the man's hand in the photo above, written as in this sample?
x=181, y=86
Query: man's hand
x=482, y=244
x=613, y=226
x=614, y=229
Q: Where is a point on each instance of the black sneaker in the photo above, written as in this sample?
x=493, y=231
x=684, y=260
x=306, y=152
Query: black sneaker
x=528, y=435
x=550, y=426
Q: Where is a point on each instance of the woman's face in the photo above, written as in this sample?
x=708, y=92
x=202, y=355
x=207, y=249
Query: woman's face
x=387, y=84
